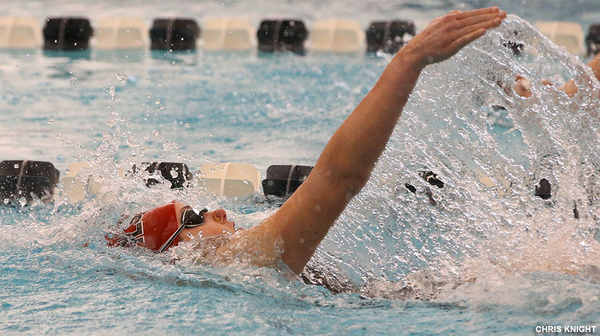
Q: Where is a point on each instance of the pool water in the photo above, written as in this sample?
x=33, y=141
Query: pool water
x=495, y=258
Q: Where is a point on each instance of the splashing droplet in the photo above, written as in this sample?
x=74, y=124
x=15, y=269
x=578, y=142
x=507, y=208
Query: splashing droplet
x=169, y=146
x=122, y=78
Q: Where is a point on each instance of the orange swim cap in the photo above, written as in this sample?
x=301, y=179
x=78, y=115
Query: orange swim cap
x=150, y=229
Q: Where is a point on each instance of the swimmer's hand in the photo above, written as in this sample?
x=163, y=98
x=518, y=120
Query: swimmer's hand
x=446, y=35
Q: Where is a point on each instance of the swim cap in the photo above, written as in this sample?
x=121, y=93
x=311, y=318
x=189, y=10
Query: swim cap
x=150, y=229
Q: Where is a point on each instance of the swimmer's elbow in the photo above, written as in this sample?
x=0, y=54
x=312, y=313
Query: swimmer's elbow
x=354, y=183
x=362, y=180
x=346, y=180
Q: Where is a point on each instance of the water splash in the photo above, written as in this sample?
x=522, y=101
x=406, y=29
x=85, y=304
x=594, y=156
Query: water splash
x=487, y=210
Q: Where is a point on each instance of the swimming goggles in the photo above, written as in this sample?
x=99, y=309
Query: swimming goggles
x=189, y=219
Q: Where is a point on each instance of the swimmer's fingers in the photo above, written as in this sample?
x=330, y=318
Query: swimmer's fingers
x=476, y=12
x=490, y=23
x=474, y=26
x=483, y=21
x=457, y=25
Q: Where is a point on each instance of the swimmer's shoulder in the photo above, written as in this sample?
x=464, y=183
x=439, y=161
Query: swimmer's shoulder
x=258, y=246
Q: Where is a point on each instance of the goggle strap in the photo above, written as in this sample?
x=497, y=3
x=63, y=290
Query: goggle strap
x=171, y=239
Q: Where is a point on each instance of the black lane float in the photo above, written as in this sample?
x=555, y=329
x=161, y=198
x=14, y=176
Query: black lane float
x=174, y=34
x=29, y=180
x=69, y=34
x=389, y=36
x=283, y=180
x=282, y=35
x=177, y=173
x=592, y=41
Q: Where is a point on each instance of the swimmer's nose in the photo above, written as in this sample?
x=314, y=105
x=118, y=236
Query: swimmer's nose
x=220, y=216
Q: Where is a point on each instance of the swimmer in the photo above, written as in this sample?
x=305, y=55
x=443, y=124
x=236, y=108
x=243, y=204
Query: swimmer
x=294, y=232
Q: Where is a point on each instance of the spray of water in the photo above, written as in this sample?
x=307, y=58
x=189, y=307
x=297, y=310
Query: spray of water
x=487, y=216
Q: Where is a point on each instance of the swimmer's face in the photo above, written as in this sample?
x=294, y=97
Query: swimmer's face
x=215, y=223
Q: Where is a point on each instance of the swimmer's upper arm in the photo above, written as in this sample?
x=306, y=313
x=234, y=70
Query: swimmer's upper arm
x=306, y=217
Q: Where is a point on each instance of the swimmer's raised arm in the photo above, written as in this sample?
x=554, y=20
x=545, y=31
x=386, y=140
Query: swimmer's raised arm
x=345, y=165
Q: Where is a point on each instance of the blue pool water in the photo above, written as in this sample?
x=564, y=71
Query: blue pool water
x=502, y=260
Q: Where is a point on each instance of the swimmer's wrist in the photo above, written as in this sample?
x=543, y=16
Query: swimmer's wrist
x=407, y=55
